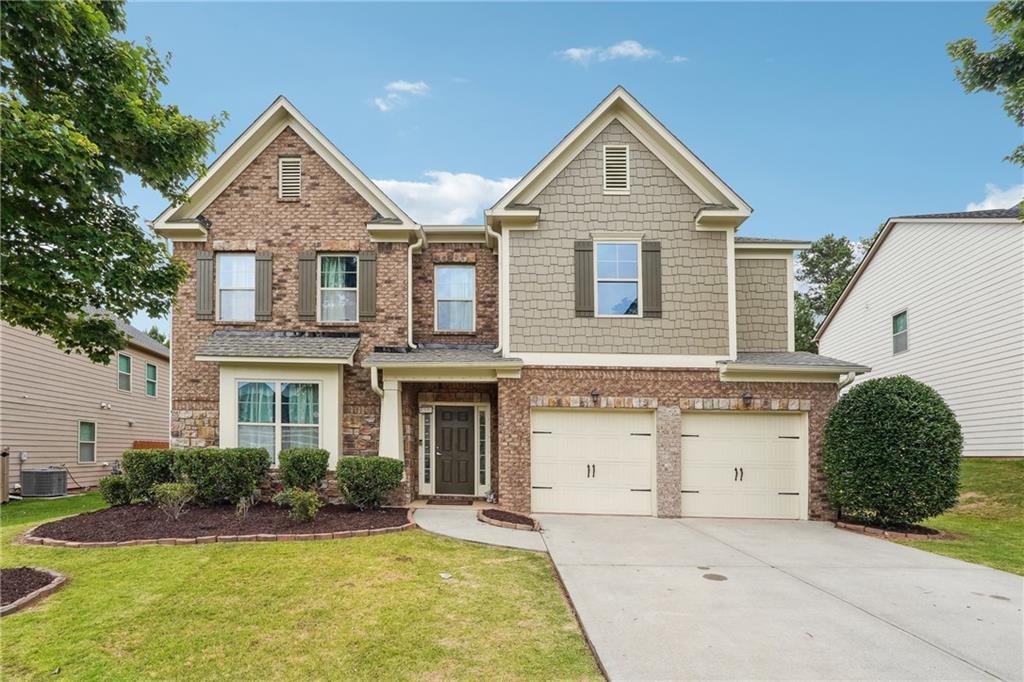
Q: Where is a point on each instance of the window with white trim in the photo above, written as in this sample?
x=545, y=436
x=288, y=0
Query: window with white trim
x=428, y=422
x=86, y=442
x=278, y=415
x=339, y=287
x=617, y=284
x=236, y=287
x=150, y=379
x=482, y=445
x=616, y=169
x=900, y=324
x=289, y=177
x=124, y=372
x=455, y=298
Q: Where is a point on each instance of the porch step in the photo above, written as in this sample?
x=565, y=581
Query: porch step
x=459, y=500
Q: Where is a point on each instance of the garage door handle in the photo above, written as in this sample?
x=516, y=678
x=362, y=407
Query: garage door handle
x=735, y=474
x=741, y=474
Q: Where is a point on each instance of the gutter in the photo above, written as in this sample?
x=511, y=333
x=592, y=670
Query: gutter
x=375, y=381
x=489, y=231
x=408, y=283
x=846, y=381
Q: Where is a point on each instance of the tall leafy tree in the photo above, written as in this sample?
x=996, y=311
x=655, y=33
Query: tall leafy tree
x=80, y=108
x=158, y=336
x=1000, y=70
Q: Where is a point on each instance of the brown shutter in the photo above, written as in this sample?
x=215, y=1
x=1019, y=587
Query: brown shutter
x=651, y=268
x=204, y=285
x=264, y=285
x=367, y=285
x=584, y=268
x=307, y=285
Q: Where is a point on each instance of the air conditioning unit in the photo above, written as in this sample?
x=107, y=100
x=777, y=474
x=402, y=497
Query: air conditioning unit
x=44, y=483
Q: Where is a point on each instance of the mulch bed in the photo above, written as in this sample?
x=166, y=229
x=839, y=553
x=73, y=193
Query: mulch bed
x=907, y=532
x=507, y=519
x=146, y=522
x=16, y=583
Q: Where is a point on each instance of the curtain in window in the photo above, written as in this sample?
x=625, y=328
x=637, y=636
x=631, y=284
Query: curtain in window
x=338, y=288
x=256, y=402
x=300, y=404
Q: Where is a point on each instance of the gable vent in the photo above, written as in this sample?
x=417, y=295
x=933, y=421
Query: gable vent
x=616, y=169
x=289, y=177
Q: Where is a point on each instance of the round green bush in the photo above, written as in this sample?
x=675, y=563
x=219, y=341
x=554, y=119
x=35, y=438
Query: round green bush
x=891, y=453
x=145, y=469
x=221, y=474
x=115, y=490
x=304, y=468
x=366, y=482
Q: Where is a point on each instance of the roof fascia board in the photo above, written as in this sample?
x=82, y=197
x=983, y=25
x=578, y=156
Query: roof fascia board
x=772, y=246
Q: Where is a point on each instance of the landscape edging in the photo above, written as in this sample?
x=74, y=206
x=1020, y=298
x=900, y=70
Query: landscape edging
x=480, y=516
x=30, y=539
x=881, y=532
x=59, y=580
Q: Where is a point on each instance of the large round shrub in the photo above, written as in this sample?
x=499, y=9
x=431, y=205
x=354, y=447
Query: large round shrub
x=367, y=482
x=892, y=452
x=304, y=468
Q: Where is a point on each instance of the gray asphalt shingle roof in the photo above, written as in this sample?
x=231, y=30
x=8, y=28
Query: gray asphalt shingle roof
x=1012, y=212
x=327, y=345
x=136, y=337
x=764, y=240
x=795, y=359
x=455, y=355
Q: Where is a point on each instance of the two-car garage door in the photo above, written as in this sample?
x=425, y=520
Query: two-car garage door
x=745, y=464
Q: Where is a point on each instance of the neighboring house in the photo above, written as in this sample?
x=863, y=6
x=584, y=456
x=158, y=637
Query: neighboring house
x=602, y=343
x=940, y=298
x=63, y=410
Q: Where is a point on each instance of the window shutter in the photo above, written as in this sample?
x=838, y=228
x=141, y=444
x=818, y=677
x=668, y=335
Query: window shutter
x=367, y=285
x=584, y=267
x=289, y=177
x=307, y=285
x=264, y=285
x=616, y=169
x=204, y=285
x=651, y=271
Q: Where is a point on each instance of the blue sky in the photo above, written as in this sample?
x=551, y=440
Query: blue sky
x=824, y=117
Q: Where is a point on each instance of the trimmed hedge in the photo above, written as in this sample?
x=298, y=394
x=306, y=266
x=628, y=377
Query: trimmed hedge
x=366, y=482
x=221, y=475
x=115, y=490
x=145, y=469
x=304, y=468
x=891, y=453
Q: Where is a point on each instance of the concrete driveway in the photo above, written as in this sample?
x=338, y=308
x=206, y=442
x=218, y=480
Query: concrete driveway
x=666, y=599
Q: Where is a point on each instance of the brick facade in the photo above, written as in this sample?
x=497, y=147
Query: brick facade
x=670, y=392
x=486, y=263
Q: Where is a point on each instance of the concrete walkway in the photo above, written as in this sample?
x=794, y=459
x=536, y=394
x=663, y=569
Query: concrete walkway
x=461, y=522
x=672, y=599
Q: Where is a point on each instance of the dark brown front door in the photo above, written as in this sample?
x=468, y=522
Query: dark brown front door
x=454, y=451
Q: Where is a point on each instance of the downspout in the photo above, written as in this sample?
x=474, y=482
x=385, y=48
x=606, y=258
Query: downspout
x=489, y=231
x=846, y=381
x=412, y=247
x=375, y=382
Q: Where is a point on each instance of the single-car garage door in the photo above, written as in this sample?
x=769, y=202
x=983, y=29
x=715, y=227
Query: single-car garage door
x=592, y=461
x=745, y=465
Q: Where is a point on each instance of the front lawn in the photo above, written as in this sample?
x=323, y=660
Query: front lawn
x=988, y=523
x=362, y=608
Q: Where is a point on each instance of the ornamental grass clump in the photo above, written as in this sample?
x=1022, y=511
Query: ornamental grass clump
x=891, y=453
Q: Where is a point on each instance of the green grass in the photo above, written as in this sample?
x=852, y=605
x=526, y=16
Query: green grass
x=988, y=523
x=363, y=608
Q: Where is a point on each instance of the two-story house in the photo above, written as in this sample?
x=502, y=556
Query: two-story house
x=603, y=342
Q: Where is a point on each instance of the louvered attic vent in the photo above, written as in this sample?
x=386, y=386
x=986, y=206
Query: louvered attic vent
x=289, y=177
x=616, y=169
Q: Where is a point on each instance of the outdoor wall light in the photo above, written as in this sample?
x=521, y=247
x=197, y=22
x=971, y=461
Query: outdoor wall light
x=747, y=399
x=594, y=395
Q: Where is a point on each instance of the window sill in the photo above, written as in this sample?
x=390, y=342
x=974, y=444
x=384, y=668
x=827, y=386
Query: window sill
x=234, y=323
x=452, y=332
x=338, y=324
x=289, y=200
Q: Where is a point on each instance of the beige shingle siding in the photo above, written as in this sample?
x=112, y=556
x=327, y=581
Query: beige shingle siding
x=694, y=273
x=762, y=304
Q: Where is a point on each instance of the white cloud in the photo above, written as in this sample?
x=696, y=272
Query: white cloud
x=995, y=197
x=409, y=88
x=397, y=94
x=446, y=198
x=626, y=49
x=678, y=59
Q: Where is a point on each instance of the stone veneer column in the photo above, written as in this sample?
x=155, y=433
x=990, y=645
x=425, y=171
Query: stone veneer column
x=669, y=463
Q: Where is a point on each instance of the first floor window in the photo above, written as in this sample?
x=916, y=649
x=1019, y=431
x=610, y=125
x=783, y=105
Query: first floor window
x=339, y=278
x=86, y=442
x=236, y=287
x=150, y=379
x=618, y=279
x=124, y=372
x=899, y=332
x=278, y=415
x=455, y=298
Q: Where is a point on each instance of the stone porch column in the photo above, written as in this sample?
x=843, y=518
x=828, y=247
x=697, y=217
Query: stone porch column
x=391, y=421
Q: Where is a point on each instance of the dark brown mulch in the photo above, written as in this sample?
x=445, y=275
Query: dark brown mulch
x=897, y=528
x=145, y=522
x=508, y=517
x=15, y=583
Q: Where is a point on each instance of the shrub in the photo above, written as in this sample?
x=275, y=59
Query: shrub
x=172, y=498
x=115, y=490
x=222, y=475
x=303, y=467
x=892, y=452
x=144, y=469
x=303, y=505
x=366, y=482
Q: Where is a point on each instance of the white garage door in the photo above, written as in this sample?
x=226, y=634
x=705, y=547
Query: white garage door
x=592, y=461
x=744, y=465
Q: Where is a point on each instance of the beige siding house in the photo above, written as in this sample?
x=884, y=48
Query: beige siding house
x=59, y=410
x=940, y=298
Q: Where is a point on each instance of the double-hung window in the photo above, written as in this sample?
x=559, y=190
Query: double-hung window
x=455, y=298
x=339, y=280
x=236, y=287
x=86, y=442
x=278, y=415
x=150, y=379
x=618, y=279
x=899, y=332
x=124, y=372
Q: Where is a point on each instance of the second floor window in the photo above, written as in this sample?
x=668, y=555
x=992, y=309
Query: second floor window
x=124, y=372
x=454, y=298
x=236, y=287
x=339, y=279
x=618, y=279
x=150, y=379
x=899, y=332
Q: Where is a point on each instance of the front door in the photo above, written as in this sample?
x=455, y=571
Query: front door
x=454, y=450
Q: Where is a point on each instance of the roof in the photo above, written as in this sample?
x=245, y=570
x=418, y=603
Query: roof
x=987, y=214
x=797, y=360
x=136, y=337
x=763, y=240
x=336, y=347
x=436, y=355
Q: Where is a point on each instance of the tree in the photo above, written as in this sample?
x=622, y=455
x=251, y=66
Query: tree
x=80, y=108
x=157, y=335
x=1000, y=70
x=830, y=259
x=805, y=323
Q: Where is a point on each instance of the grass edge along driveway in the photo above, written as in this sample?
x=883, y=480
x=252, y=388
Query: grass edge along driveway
x=362, y=608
